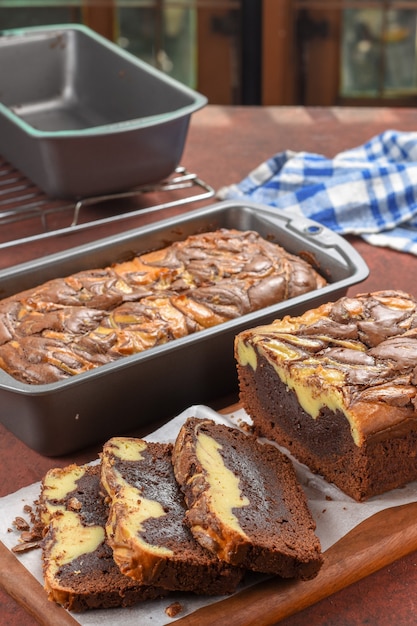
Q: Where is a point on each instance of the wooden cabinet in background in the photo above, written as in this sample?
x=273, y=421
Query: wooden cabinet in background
x=266, y=52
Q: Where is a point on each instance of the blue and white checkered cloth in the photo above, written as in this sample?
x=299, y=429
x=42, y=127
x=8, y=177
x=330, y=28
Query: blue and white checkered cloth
x=370, y=191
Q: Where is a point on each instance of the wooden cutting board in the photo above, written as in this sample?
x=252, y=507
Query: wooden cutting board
x=375, y=543
x=19, y=583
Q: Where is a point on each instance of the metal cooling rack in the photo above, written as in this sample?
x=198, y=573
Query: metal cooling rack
x=23, y=206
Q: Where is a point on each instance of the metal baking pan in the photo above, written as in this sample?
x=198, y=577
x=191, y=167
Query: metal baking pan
x=61, y=417
x=81, y=117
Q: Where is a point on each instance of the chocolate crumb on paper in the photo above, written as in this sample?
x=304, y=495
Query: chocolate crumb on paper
x=173, y=609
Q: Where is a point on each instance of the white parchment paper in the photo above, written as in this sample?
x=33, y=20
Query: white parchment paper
x=335, y=514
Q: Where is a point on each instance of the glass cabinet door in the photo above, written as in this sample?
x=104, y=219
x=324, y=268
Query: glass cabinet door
x=378, y=52
x=354, y=52
x=195, y=41
x=162, y=33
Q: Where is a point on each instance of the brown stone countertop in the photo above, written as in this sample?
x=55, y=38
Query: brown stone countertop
x=223, y=145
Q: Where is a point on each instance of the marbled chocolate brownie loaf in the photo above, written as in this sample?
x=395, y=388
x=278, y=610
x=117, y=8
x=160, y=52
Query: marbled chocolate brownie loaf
x=79, y=570
x=337, y=386
x=146, y=529
x=71, y=325
x=244, y=501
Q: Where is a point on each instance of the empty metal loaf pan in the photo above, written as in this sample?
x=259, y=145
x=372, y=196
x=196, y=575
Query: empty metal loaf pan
x=88, y=408
x=81, y=117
